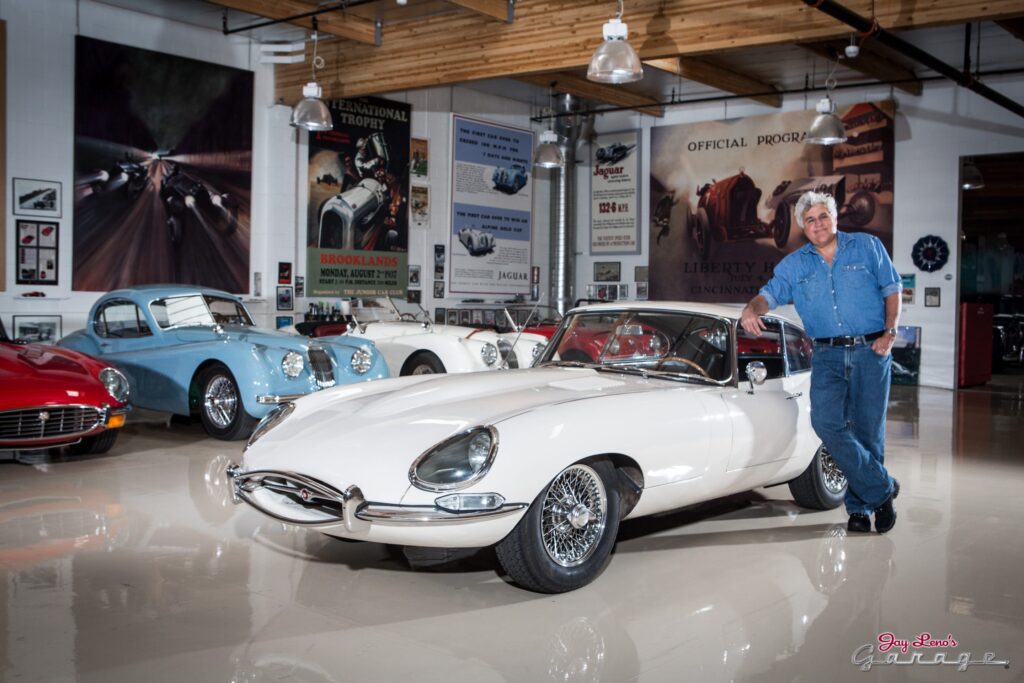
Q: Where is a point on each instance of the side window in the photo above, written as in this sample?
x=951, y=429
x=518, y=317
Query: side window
x=121, y=319
x=767, y=348
x=799, y=348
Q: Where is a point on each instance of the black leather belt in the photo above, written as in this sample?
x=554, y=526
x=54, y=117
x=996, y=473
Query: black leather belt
x=850, y=341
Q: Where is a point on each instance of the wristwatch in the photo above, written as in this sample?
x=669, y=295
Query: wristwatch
x=891, y=330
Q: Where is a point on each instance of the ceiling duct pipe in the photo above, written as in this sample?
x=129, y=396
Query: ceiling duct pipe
x=571, y=126
x=871, y=29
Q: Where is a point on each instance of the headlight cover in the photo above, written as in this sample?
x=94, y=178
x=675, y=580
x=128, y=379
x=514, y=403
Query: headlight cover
x=362, y=361
x=115, y=383
x=489, y=353
x=292, y=364
x=456, y=462
x=269, y=421
x=538, y=349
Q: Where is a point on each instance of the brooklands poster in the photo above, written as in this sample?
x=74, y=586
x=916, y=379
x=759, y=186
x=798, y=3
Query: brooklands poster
x=357, y=235
x=492, y=208
x=722, y=195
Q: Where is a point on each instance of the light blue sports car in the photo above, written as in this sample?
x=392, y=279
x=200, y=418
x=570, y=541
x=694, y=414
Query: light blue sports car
x=188, y=349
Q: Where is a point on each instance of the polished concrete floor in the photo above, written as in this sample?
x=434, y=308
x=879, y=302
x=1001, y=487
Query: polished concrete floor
x=135, y=567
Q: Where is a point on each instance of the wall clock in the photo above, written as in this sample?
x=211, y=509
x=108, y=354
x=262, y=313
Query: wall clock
x=930, y=253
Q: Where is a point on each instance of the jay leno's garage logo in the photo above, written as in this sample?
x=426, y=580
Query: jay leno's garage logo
x=923, y=649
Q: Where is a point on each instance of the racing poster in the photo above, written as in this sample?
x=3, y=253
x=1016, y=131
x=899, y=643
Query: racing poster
x=163, y=170
x=357, y=238
x=492, y=208
x=615, y=193
x=722, y=195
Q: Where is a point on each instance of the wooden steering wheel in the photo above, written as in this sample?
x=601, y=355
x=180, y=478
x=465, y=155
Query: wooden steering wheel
x=684, y=361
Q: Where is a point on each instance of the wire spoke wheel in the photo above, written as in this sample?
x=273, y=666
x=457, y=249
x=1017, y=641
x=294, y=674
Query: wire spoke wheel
x=220, y=401
x=574, y=515
x=834, y=479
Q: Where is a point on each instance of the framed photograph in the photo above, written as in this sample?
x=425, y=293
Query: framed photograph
x=641, y=291
x=439, y=316
x=908, y=288
x=602, y=292
x=284, y=273
x=300, y=286
x=477, y=317
x=612, y=293
x=535, y=275
x=35, y=248
x=413, y=296
x=640, y=273
x=932, y=297
x=45, y=329
x=438, y=289
x=282, y=321
x=419, y=205
x=535, y=292
x=40, y=198
x=489, y=316
x=285, y=301
x=607, y=271
x=453, y=316
x=414, y=276
x=465, y=317
x=623, y=291
x=420, y=155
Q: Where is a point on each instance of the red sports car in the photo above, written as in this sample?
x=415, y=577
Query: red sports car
x=52, y=397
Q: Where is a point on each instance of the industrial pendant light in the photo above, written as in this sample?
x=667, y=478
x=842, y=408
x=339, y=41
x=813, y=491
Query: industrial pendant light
x=827, y=128
x=615, y=60
x=971, y=179
x=548, y=154
x=311, y=113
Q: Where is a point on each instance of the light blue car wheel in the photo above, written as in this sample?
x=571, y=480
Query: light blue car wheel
x=220, y=405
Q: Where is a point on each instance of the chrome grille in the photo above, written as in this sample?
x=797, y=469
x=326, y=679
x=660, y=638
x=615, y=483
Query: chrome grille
x=48, y=422
x=320, y=364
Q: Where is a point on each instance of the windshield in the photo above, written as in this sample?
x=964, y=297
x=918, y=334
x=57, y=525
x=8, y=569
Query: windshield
x=673, y=343
x=199, y=309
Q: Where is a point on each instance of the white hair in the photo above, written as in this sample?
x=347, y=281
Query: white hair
x=809, y=199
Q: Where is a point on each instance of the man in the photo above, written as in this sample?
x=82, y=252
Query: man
x=847, y=293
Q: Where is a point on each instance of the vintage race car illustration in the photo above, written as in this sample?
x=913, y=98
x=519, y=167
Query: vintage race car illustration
x=186, y=199
x=127, y=175
x=509, y=179
x=477, y=242
x=191, y=350
x=55, y=397
x=678, y=406
x=613, y=153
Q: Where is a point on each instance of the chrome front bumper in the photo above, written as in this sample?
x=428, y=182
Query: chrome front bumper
x=275, y=398
x=315, y=503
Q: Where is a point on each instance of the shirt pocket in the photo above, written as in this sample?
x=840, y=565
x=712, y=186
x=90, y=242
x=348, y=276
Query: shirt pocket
x=858, y=275
x=807, y=290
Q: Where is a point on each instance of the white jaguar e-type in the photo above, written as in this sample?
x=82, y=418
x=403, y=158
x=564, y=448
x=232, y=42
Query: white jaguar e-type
x=632, y=409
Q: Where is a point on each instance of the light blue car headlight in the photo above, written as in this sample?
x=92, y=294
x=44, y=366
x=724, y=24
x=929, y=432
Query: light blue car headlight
x=456, y=462
x=115, y=383
x=292, y=364
x=362, y=360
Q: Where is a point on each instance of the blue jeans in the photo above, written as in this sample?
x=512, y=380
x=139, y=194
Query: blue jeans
x=849, y=396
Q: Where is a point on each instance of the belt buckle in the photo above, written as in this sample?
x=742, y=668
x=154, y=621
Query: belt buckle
x=845, y=341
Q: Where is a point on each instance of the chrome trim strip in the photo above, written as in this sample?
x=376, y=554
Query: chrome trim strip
x=265, y=399
x=410, y=514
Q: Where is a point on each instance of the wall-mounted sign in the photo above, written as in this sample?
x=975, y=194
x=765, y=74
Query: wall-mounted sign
x=615, y=193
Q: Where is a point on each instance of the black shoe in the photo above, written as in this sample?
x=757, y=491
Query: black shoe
x=859, y=523
x=895, y=489
x=885, y=515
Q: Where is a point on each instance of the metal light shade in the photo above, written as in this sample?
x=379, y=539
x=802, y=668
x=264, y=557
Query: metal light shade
x=827, y=128
x=311, y=113
x=548, y=154
x=615, y=60
x=972, y=178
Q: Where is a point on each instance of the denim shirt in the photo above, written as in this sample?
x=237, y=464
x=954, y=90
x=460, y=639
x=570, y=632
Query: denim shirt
x=847, y=299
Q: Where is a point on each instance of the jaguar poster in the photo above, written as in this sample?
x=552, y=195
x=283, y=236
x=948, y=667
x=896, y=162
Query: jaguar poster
x=163, y=169
x=722, y=195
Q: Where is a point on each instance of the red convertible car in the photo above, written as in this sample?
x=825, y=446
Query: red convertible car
x=52, y=397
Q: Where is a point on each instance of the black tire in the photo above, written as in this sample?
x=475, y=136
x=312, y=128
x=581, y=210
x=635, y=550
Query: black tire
x=781, y=225
x=525, y=555
x=702, y=234
x=423, y=363
x=822, y=485
x=95, y=445
x=220, y=405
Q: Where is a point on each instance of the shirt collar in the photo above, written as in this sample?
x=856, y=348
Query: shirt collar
x=842, y=239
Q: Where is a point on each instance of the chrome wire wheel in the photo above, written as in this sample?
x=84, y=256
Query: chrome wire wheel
x=220, y=401
x=574, y=515
x=423, y=370
x=833, y=477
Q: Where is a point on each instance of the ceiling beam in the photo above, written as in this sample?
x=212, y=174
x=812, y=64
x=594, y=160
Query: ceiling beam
x=558, y=37
x=339, y=23
x=870, y=63
x=579, y=86
x=495, y=9
x=1015, y=27
x=718, y=77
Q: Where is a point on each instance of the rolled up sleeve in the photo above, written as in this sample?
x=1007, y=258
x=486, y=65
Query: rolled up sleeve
x=889, y=280
x=778, y=291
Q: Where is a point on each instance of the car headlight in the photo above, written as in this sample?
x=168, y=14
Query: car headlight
x=489, y=353
x=269, y=421
x=115, y=383
x=292, y=364
x=457, y=462
x=362, y=361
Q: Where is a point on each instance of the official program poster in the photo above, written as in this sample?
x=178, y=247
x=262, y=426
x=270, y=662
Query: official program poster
x=358, y=213
x=492, y=208
x=615, y=193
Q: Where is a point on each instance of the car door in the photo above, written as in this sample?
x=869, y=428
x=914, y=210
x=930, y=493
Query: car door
x=125, y=336
x=766, y=419
x=799, y=348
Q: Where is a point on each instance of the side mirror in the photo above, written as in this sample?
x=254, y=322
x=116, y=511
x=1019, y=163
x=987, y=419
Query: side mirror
x=757, y=373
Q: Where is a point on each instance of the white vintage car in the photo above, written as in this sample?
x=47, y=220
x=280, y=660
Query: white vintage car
x=477, y=242
x=419, y=347
x=632, y=410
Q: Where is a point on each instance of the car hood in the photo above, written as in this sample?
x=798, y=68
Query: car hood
x=369, y=434
x=254, y=335
x=47, y=375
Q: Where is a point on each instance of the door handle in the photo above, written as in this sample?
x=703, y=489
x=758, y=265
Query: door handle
x=796, y=395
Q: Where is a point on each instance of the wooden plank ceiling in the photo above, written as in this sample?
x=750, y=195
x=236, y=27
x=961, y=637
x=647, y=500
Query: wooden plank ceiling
x=548, y=43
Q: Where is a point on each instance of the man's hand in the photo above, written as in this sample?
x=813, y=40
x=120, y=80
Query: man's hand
x=752, y=322
x=883, y=345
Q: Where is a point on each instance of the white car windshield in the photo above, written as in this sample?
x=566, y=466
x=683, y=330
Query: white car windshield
x=199, y=309
x=649, y=342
